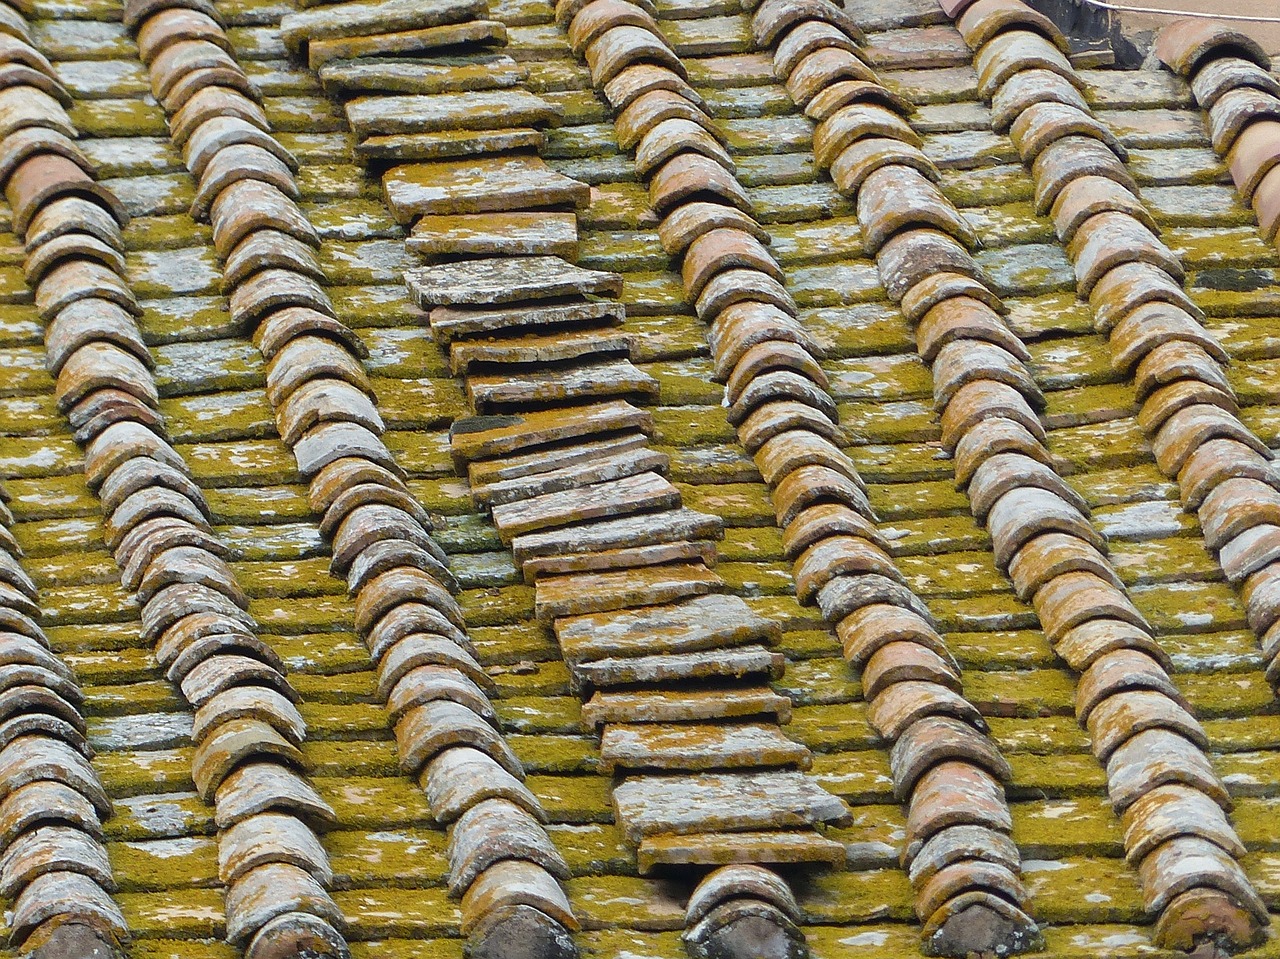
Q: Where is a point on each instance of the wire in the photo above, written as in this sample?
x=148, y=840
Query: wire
x=1179, y=13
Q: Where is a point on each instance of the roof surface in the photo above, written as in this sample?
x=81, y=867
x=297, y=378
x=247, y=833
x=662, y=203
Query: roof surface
x=405, y=221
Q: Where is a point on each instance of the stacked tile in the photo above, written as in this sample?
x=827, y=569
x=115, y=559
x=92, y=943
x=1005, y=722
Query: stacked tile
x=53, y=865
x=677, y=671
x=502, y=863
x=961, y=858
x=1239, y=498
x=1158, y=775
x=1133, y=283
x=248, y=730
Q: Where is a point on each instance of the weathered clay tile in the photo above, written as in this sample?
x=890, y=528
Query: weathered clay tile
x=176, y=60
x=1266, y=204
x=1181, y=923
x=270, y=838
x=672, y=133
x=151, y=537
x=54, y=849
x=46, y=800
x=962, y=318
x=261, y=787
x=239, y=161
x=984, y=400
x=1027, y=511
x=1070, y=158
x=1222, y=74
x=176, y=25
x=1028, y=87
x=236, y=741
x=122, y=441
x=1234, y=506
x=678, y=706
x=954, y=794
x=938, y=287
x=856, y=121
x=221, y=671
x=269, y=891
x=810, y=484
x=1055, y=554
x=781, y=384
x=269, y=290
x=189, y=564
x=59, y=893
x=71, y=281
x=1088, y=196
x=961, y=362
x=458, y=778
x=400, y=655
x=1157, y=757
x=1249, y=551
x=773, y=18
x=1254, y=154
x=370, y=522
x=609, y=590
x=1216, y=459
x=247, y=205
x=136, y=12
x=1125, y=287
x=712, y=801
x=624, y=46
x=85, y=321
x=405, y=42
x=1121, y=670
x=754, y=663
x=953, y=880
x=1261, y=595
x=768, y=355
x=213, y=101
x=1189, y=428
x=29, y=759
x=1171, y=811
x=1129, y=712
x=1187, y=862
x=958, y=843
x=903, y=704
x=511, y=882
x=269, y=249
x=99, y=364
x=506, y=280
x=70, y=245
x=249, y=702
x=16, y=50
x=424, y=731
x=901, y=662
x=593, y=19
x=919, y=255
x=1235, y=110
x=27, y=106
x=44, y=176
x=690, y=747
x=1013, y=51
x=1186, y=43
x=820, y=69
x=369, y=18
x=20, y=145
x=278, y=328
x=839, y=555
x=494, y=830
x=692, y=175
x=861, y=158
x=641, y=78
x=983, y=19
x=217, y=133
x=1044, y=123
x=803, y=39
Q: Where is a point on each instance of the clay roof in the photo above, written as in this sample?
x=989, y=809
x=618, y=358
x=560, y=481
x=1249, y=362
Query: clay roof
x=628, y=479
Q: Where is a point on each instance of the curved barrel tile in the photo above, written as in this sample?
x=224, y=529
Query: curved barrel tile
x=504, y=867
x=247, y=762
x=786, y=418
x=1133, y=282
